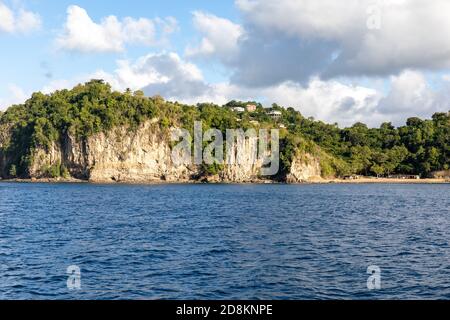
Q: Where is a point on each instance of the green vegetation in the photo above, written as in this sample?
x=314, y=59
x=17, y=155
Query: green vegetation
x=53, y=171
x=419, y=147
x=13, y=171
x=212, y=169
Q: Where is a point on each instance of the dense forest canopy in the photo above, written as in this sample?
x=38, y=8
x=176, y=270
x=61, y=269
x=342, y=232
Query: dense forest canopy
x=419, y=147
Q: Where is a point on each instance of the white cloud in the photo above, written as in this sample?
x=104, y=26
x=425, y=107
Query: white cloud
x=333, y=101
x=82, y=34
x=27, y=21
x=60, y=84
x=15, y=95
x=305, y=18
x=303, y=53
x=411, y=95
x=327, y=100
x=21, y=21
x=163, y=73
x=220, y=36
x=294, y=40
x=6, y=19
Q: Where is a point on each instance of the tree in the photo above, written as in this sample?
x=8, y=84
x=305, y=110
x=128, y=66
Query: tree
x=419, y=147
x=395, y=157
x=361, y=159
x=357, y=135
x=378, y=170
x=13, y=171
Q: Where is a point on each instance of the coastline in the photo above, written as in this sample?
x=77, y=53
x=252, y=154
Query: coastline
x=391, y=181
x=312, y=181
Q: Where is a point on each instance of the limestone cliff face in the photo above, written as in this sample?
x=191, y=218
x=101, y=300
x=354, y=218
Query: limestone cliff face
x=304, y=168
x=246, y=167
x=121, y=155
x=5, y=137
x=144, y=156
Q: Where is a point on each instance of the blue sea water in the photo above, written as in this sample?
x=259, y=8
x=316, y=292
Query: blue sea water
x=224, y=241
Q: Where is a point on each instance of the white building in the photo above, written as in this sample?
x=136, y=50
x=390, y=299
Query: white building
x=251, y=108
x=275, y=114
x=239, y=109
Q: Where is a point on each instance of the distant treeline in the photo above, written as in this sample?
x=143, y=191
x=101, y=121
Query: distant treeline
x=420, y=147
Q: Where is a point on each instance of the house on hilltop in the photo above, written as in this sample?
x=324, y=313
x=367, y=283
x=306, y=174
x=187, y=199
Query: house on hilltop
x=251, y=108
x=275, y=114
x=238, y=109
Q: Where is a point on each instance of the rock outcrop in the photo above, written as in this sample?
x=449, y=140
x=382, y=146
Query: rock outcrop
x=144, y=155
x=304, y=168
x=121, y=155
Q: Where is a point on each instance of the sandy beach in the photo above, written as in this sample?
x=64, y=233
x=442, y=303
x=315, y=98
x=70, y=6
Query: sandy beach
x=318, y=180
x=387, y=181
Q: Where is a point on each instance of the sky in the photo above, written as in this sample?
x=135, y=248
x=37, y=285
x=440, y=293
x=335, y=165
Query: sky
x=372, y=61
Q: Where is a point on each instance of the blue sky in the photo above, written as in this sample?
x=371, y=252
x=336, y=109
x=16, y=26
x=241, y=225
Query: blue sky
x=16, y=64
x=337, y=62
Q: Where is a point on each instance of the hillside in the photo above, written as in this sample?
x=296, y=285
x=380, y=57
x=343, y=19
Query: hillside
x=94, y=133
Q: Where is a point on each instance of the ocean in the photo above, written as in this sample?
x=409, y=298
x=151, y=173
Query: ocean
x=224, y=241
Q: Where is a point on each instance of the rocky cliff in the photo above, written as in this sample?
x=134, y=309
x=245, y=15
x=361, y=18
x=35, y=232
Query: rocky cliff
x=143, y=155
x=304, y=168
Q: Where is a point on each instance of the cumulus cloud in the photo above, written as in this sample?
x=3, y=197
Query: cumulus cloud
x=304, y=53
x=332, y=101
x=295, y=40
x=82, y=34
x=18, y=21
x=411, y=93
x=164, y=73
x=15, y=95
x=220, y=37
x=446, y=77
x=172, y=77
x=329, y=101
